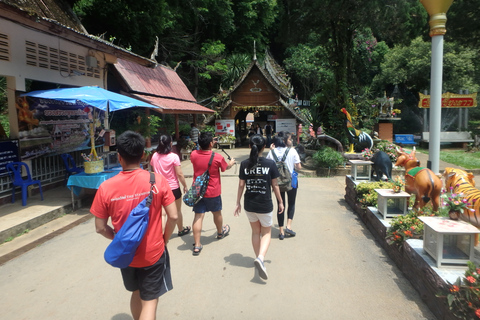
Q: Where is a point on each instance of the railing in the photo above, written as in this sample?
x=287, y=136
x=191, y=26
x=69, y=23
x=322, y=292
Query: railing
x=47, y=169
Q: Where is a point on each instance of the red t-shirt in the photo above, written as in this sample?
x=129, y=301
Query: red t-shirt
x=200, y=159
x=117, y=196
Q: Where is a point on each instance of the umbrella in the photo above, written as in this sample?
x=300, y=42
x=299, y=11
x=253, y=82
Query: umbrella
x=92, y=95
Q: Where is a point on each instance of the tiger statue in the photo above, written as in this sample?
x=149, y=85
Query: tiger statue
x=462, y=182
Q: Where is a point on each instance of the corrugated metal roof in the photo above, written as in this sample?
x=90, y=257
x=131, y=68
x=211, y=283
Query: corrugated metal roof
x=173, y=106
x=160, y=81
x=56, y=10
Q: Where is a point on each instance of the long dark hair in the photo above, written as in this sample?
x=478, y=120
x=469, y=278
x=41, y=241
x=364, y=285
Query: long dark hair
x=257, y=143
x=165, y=144
x=281, y=139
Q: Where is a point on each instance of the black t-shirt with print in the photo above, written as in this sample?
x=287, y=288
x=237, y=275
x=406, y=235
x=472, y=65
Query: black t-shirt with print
x=258, y=185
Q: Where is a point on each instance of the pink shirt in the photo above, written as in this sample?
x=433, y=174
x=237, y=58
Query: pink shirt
x=165, y=165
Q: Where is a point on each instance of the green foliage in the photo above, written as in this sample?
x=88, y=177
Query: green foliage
x=463, y=297
x=210, y=61
x=236, y=66
x=404, y=227
x=131, y=24
x=408, y=64
x=210, y=129
x=328, y=158
x=388, y=148
x=309, y=62
x=462, y=158
x=184, y=129
x=366, y=194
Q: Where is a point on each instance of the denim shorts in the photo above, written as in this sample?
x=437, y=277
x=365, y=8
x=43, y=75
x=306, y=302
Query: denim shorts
x=208, y=204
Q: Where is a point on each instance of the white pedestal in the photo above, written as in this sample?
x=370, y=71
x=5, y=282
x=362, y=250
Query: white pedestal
x=361, y=169
x=448, y=241
x=391, y=204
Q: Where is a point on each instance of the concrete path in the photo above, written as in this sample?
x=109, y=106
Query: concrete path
x=332, y=269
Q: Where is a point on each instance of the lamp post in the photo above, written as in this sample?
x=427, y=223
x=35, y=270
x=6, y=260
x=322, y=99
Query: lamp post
x=437, y=10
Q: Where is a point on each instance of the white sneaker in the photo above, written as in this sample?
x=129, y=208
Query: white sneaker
x=262, y=271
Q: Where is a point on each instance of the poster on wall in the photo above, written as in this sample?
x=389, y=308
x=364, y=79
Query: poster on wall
x=225, y=127
x=288, y=125
x=53, y=127
x=8, y=153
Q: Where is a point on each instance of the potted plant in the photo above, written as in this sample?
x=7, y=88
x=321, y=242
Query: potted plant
x=455, y=203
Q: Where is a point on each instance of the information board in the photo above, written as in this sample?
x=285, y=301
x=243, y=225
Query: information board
x=8, y=153
x=225, y=127
x=288, y=125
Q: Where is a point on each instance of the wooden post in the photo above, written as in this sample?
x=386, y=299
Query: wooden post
x=177, y=133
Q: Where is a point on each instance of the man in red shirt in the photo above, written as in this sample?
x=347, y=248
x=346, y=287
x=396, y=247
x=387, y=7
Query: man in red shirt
x=148, y=276
x=212, y=200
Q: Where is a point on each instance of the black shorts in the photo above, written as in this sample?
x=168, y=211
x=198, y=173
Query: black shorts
x=152, y=281
x=177, y=193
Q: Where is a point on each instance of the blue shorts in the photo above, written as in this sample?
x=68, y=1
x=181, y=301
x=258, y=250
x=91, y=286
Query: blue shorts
x=208, y=204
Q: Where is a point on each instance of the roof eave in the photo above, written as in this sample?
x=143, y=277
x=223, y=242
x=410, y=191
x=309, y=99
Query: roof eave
x=54, y=28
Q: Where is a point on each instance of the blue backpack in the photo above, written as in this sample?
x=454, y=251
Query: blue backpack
x=121, y=250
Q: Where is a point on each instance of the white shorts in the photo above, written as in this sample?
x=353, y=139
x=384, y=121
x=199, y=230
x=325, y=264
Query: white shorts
x=264, y=218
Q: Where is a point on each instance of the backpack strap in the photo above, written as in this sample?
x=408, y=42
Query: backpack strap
x=150, y=195
x=211, y=160
x=274, y=156
x=285, y=155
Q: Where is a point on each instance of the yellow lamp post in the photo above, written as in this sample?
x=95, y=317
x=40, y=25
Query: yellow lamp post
x=437, y=10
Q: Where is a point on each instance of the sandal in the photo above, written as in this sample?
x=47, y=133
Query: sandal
x=225, y=232
x=197, y=250
x=186, y=230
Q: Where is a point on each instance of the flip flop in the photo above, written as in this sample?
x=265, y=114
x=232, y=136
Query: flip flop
x=186, y=230
x=197, y=250
x=225, y=232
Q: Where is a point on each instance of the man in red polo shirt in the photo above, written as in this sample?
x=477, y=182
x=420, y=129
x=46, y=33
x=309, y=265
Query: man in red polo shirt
x=148, y=276
x=212, y=200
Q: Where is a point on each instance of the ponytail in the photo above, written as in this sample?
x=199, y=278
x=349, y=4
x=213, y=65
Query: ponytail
x=257, y=143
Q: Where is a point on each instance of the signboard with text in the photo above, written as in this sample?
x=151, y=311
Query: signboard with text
x=451, y=100
x=53, y=127
x=225, y=127
x=288, y=125
x=8, y=153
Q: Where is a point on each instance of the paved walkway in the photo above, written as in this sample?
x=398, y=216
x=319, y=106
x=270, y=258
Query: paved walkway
x=332, y=269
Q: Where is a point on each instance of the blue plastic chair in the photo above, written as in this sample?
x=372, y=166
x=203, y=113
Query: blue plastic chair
x=70, y=166
x=14, y=170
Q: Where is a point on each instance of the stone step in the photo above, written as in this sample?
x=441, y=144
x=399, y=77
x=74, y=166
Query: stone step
x=16, y=219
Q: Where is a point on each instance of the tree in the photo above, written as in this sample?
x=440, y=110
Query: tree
x=410, y=65
x=132, y=24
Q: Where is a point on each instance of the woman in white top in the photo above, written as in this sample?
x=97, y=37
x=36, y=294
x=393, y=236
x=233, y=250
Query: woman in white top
x=167, y=163
x=283, y=141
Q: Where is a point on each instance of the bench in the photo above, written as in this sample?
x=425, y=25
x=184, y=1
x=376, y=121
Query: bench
x=402, y=139
x=451, y=137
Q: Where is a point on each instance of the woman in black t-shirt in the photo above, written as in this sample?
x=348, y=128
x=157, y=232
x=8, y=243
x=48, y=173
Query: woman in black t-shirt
x=258, y=175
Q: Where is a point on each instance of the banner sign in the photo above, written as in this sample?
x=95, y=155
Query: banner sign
x=53, y=127
x=451, y=100
x=8, y=153
x=288, y=125
x=225, y=127
x=257, y=108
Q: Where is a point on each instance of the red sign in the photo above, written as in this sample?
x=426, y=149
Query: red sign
x=451, y=100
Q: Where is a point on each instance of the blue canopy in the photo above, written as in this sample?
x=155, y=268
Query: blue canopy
x=92, y=95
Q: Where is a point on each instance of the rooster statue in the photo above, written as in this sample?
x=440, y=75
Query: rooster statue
x=358, y=140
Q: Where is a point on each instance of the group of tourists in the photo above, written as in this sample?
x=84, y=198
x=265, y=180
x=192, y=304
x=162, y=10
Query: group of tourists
x=148, y=276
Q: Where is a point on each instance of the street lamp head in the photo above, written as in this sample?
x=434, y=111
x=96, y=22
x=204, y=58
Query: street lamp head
x=437, y=10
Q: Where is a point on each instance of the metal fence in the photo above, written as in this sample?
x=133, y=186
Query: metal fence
x=47, y=169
